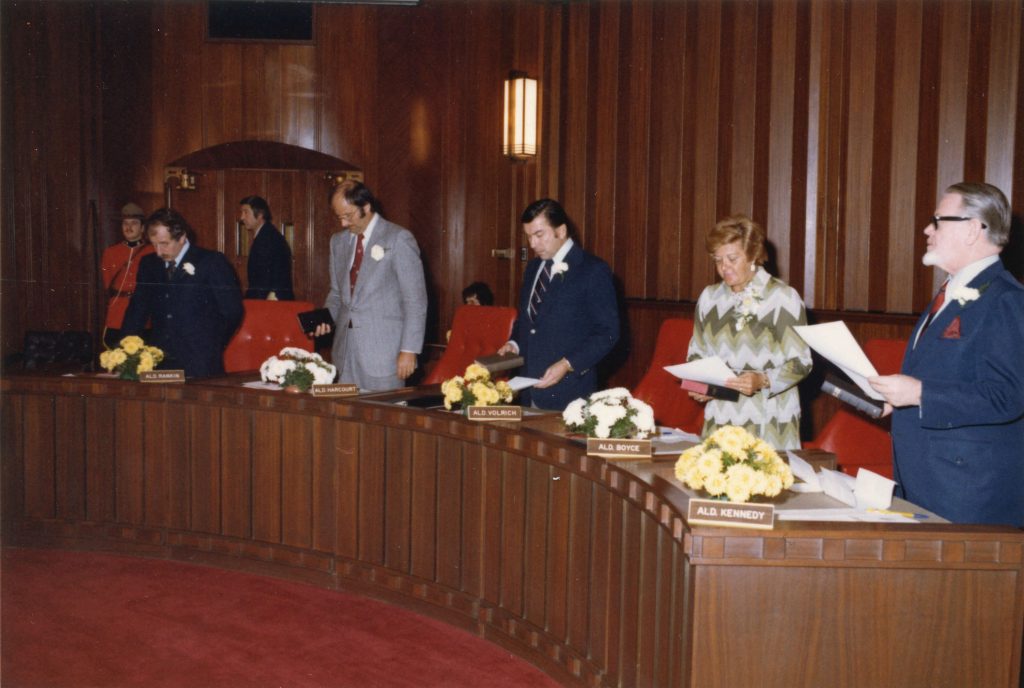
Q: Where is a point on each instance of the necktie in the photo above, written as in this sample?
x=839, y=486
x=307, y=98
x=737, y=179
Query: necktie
x=170, y=270
x=940, y=299
x=540, y=288
x=353, y=274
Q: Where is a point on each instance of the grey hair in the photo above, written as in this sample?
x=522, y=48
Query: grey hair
x=988, y=204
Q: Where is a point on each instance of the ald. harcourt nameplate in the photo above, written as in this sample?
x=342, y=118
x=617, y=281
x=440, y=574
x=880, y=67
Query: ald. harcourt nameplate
x=339, y=389
x=619, y=449
x=711, y=512
x=162, y=376
x=492, y=413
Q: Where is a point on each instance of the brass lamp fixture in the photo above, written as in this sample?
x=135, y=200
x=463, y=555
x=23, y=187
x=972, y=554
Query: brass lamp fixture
x=519, y=135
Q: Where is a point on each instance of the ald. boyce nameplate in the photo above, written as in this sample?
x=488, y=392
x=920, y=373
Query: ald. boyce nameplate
x=162, y=376
x=711, y=512
x=493, y=413
x=347, y=389
x=619, y=449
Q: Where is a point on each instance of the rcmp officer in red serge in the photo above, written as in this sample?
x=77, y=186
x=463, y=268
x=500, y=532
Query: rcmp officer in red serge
x=119, y=266
x=958, y=424
x=568, y=312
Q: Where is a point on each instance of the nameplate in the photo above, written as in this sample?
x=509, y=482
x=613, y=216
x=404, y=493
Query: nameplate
x=346, y=389
x=162, y=376
x=619, y=449
x=711, y=512
x=491, y=413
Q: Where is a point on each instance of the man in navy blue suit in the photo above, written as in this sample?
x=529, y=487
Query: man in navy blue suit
x=269, y=268
x=190, y=295
x=568, y=313
x=958, y=424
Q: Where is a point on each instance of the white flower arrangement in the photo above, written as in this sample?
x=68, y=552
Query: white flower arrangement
x=733, y=464
x=559, y=268
x=610, y=413
x=377, y=252
x=748, y=302
x=189, y=268
x=297, y=367
x=963, y=294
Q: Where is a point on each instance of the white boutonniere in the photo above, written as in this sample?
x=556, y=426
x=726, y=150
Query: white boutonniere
x=748, y=303
x=965, y=295
x=189, y=268
x=377, y=252
x=560, y=268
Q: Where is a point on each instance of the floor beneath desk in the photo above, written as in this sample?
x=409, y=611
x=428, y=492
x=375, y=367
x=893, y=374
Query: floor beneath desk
x=89, y=619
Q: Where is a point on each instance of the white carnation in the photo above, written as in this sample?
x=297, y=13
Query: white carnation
x=574, y=412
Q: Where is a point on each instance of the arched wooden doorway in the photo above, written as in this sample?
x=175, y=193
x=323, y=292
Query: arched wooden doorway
x=206, y=185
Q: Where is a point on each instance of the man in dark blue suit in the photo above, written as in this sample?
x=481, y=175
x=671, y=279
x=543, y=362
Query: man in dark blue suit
x=190, y=295
x=568, y=313
x=958, y=427
x=269, y=268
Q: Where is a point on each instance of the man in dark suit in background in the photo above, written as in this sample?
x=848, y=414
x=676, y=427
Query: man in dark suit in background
x=958, y=427
x=190, y=295
x=568, y=312
x=270, y=257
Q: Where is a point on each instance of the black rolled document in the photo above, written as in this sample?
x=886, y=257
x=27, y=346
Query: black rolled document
x=497, y=362
x=310, y=320
x=851, y=394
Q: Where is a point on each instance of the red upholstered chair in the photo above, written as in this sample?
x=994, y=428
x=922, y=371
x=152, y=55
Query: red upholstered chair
x=672, y=405
x=857, y=440
x=268, y=327
x=476, y=331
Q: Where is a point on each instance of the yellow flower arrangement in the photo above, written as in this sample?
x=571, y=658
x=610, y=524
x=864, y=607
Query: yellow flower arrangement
x=475, y=388
x=734, y=464
x=131, y=357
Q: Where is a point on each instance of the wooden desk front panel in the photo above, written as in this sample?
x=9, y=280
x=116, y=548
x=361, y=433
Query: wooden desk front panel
x=566, y=560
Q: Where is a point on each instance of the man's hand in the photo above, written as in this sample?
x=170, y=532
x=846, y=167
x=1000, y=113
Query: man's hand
x=406, y=364
x=321, y=330
x=554, y=374
x=508, y=348
x=898, y=390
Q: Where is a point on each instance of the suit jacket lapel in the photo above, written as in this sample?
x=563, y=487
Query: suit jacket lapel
x=369, y=269
x=953, y=309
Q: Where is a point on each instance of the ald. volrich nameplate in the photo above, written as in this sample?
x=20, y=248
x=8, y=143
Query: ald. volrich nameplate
x=162, y=376
x=619, y=449
x=492, y=413
x=347, y=389
x=710, y=512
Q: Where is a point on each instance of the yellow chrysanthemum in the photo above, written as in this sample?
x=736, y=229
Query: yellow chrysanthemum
x=106, y=360
x=132, y=344
x=476, y=371
x=145, y=362
x=715, y=485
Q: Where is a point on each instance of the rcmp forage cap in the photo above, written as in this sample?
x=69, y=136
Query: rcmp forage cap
x=130, y=210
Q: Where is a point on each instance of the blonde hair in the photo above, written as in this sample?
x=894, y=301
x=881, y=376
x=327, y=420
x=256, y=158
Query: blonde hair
x=742, y=229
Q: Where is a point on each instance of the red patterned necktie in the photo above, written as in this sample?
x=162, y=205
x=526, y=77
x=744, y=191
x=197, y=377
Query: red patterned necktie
x=353, y=274
x=940, y=299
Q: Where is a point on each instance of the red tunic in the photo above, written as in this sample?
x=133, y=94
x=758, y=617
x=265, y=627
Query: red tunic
x=119, y=266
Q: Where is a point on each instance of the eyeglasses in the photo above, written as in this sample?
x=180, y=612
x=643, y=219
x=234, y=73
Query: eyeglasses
x=936, y=219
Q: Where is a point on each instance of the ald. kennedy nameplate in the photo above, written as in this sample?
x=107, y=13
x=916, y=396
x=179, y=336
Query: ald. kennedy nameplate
x=162, y=376
x=346, y=389
x=619, y=449
x=711, y=512
x=492, y=413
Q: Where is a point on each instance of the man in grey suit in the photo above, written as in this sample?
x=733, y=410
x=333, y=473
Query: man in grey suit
x=378, y=298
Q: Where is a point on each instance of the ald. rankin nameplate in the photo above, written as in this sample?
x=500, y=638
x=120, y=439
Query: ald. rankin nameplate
x=347, y=389
x=619, y=449
x=162, y=376
x=492, y=413
x=711, y=512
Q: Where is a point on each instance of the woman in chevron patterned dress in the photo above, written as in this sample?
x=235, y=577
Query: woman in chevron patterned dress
x=747, y=320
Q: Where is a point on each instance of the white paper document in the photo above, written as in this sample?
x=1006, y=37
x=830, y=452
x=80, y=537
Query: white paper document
x=844, y=514
x=258, y=384
x=712, y=371
x=804, y=471
x=873, y=491
x=520, y=383
x=835, y=343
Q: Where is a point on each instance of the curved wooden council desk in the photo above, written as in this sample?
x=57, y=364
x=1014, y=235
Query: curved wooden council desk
x=585, y=568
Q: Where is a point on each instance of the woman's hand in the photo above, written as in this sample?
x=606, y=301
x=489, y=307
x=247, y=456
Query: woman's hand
x=699, y=397
x=748, y=383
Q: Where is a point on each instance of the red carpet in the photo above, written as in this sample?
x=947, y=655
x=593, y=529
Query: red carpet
x=85, y=619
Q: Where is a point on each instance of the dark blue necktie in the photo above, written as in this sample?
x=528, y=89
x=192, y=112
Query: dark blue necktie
x=540, y=289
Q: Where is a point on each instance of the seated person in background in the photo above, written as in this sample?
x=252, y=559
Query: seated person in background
x=747, y=320
x=568, y=317
x=478, y=294
x=119, y=266
x=190, y=295
x=269, y=268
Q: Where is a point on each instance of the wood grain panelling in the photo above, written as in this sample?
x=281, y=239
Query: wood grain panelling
x=835, y=123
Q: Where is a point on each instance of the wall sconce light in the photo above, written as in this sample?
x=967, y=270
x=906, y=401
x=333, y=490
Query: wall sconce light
x=336, y=178
x=519, y=135
x=179, y=178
